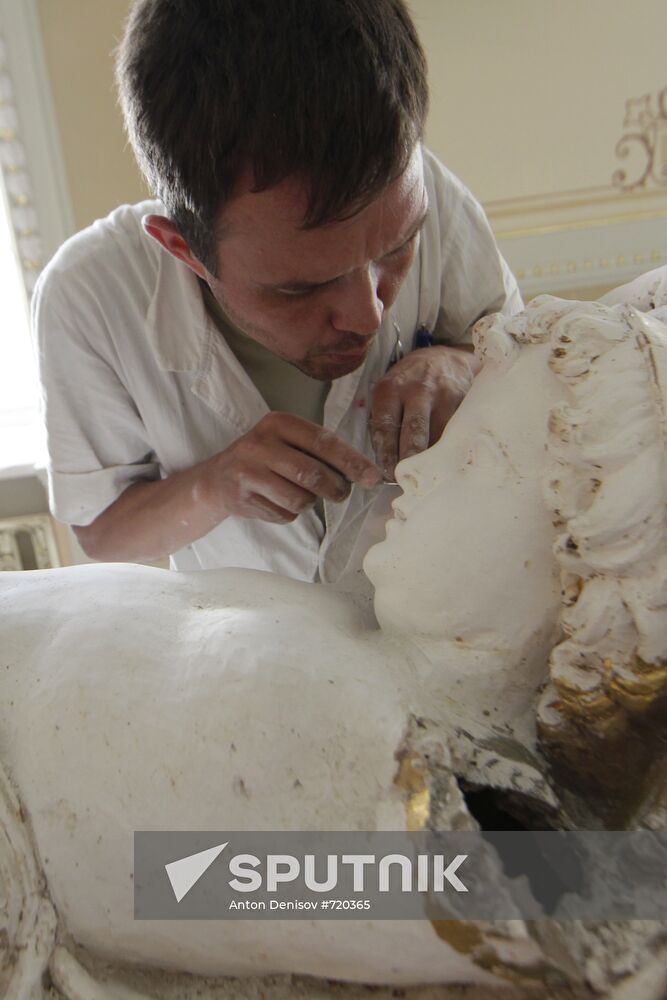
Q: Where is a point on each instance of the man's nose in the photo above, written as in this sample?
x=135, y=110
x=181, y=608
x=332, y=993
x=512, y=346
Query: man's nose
x=357, y=307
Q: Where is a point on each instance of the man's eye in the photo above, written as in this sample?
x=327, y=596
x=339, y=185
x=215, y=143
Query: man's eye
x=402, y=249
x=297, y=293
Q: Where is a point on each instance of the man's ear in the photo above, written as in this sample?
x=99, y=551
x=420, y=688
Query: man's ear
x=165, y=232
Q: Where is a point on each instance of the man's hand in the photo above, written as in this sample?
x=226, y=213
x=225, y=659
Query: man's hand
x=280, y=468
x=413, y=402
x=273, y=473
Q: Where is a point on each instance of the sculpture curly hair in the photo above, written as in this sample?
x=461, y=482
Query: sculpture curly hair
x=598, y=718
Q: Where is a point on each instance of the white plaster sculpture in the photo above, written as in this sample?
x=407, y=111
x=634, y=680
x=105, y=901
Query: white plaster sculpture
x=522, y=605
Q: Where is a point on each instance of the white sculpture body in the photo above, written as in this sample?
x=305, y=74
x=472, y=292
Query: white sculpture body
x=132, y=698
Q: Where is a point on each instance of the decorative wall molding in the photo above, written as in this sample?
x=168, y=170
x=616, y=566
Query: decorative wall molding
x=646, y=146
x=581, y=239
x=608, y=254
x=571, y=210
x=598, y=236
x=31, y=159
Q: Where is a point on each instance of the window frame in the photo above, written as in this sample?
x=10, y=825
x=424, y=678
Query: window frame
x=33, y=183
x=45, y=203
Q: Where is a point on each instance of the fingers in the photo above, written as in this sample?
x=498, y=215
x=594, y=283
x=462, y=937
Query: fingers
x=385, y=426
x=261, y=493
x=329, y=452
x=259, y=508
x=274, y=494
x=416, y=426
x=401, y=427
x=281, y=467
x=414, y=401
x=400, y=422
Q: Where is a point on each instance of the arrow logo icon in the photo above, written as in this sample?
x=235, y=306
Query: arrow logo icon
x=186, y=872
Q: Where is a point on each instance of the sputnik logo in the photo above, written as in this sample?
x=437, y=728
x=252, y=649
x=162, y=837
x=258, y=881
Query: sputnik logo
x=432, y=871
x=186, y=872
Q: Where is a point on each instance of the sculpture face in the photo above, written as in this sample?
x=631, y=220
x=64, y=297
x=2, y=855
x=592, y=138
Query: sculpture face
x=467, y=556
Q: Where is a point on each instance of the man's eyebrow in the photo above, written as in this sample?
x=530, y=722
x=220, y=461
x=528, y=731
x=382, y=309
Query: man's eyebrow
x=304, y=286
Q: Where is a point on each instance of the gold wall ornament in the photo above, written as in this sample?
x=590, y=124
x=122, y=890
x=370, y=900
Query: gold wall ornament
x=646, y=146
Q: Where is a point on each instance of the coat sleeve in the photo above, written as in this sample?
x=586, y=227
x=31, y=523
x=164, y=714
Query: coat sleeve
x=96, y=441
x=463, y=275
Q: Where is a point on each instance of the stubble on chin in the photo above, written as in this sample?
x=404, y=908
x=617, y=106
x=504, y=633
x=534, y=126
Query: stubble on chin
x=315, y=365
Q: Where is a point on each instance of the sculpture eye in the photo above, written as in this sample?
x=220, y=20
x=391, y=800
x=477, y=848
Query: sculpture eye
x=487, y=453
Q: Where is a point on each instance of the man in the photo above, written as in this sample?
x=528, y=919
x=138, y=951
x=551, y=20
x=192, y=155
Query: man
x=222, y=369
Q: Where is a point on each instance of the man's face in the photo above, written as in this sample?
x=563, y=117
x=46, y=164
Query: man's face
x=316, y=297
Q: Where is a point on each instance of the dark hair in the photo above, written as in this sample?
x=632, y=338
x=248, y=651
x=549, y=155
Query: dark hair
x=333, y=91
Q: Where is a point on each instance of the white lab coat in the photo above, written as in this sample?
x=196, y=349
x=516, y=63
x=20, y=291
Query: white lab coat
x=139, y=383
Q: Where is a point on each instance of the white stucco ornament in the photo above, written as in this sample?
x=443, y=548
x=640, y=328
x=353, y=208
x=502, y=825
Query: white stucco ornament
x=522, y=649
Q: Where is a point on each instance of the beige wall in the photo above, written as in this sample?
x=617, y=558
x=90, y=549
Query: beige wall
x=532, y=102
x=79, y=37
x=528, y=96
